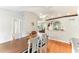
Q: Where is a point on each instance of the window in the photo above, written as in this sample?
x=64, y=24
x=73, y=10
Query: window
x=57, y=25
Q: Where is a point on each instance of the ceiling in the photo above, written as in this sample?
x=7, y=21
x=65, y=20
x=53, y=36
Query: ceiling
x=45, y=11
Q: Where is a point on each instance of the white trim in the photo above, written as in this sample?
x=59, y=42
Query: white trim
x=68, y=42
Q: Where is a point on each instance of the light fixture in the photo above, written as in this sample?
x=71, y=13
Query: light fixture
x=42, y=15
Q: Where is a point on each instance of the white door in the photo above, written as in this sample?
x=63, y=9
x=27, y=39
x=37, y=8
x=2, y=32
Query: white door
x=16, y=28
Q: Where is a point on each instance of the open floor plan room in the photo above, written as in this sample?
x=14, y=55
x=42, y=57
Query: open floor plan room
x=39, y=29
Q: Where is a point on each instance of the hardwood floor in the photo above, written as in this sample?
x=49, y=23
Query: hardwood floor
x=58, y=47
x=14, y=46
x=18, y=46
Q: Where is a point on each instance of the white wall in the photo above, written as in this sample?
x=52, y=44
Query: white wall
x=71, y=29
x=18, y=24
x=28, y=19
x=6, y=24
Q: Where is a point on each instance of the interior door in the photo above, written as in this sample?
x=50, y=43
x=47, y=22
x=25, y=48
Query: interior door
x=18, y=28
